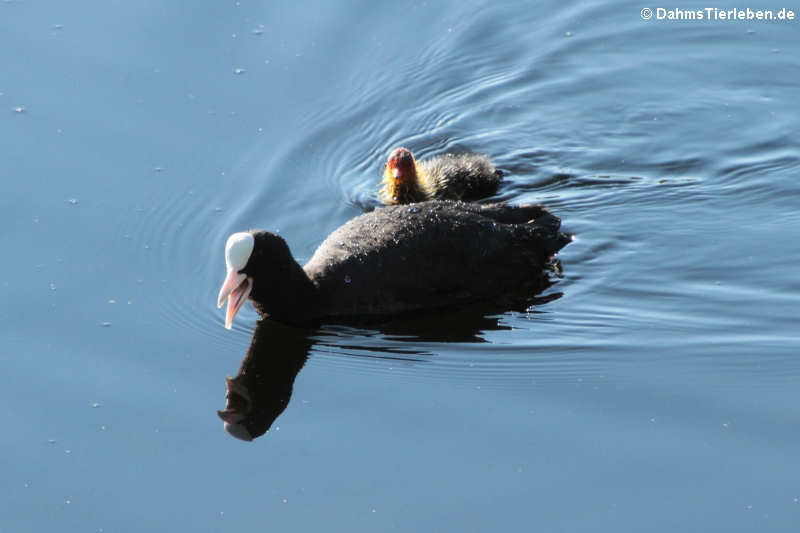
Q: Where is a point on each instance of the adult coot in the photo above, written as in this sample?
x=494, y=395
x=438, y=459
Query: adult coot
x=394, y=260
x=442, y=177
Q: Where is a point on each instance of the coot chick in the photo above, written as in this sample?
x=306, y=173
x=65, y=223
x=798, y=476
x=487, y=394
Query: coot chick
x=442, y=177
x=394, y=260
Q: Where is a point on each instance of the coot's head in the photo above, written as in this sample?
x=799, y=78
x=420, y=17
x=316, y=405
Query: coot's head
x=400, y=167
x=237, y=410
x=254, y=260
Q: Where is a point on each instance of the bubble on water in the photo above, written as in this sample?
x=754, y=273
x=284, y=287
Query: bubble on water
x=52, y=286
x=239, y=71
x=73, y=201
x=19, y=109
x=347, y=279
x=413, y=209
x=105, y=324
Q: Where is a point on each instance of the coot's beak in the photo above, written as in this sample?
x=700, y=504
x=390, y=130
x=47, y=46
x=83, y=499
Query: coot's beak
x=237, y=409
x=236, y=288
x=238, y=431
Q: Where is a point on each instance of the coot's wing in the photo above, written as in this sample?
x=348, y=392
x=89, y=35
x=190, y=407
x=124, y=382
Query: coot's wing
x=432, y=254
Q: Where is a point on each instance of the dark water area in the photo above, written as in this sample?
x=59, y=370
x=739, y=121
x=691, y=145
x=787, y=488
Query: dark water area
x=653, y=387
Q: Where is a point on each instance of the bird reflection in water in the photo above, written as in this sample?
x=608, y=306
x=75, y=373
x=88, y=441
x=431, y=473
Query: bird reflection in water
x=262, y=388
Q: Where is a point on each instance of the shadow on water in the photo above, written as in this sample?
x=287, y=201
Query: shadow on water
x=262, y=388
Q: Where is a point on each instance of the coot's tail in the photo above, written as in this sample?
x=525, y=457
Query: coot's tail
x=562, y=239
x=545, y=238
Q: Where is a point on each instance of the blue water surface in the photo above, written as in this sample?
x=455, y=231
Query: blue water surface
x=659, y=392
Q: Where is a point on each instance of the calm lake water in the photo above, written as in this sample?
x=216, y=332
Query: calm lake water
x=659, y=392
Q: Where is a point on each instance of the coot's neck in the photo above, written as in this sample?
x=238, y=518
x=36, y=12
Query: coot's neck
x=281, y=288
x=292, y=299
x=410, y=190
